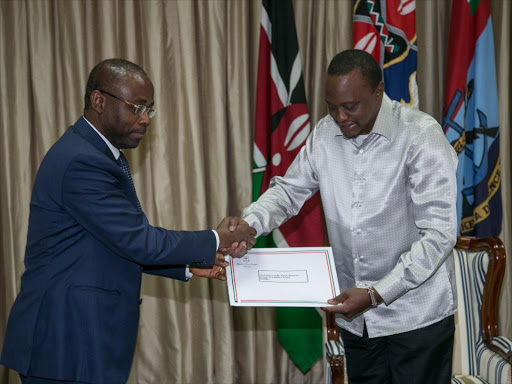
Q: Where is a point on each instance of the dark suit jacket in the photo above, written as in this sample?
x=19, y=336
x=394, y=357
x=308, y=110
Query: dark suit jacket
x=77, y=314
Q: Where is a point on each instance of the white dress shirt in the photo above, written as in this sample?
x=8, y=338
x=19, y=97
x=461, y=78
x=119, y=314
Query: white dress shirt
x=390, y=211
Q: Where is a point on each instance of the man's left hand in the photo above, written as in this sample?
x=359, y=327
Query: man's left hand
x=220, y=260
x=218, y=271
x=350, y=302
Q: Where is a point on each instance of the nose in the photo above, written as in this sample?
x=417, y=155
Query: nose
x=340, y=115
x=144, y=118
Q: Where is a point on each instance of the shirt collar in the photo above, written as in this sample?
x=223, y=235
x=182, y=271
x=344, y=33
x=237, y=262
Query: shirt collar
x=114, y=150
x=382, y=125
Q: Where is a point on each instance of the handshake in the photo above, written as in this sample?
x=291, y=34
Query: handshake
x=236, y=237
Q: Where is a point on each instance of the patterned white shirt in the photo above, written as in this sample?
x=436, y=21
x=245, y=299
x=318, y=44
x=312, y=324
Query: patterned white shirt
x=390, y=210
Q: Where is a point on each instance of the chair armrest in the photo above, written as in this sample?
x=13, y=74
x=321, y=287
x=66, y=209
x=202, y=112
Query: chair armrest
x=502, y=346
x=493, y=364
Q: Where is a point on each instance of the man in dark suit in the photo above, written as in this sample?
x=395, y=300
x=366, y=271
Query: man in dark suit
x=76, y=317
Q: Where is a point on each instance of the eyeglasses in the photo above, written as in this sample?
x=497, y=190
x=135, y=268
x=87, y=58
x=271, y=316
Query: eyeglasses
x=138, y=109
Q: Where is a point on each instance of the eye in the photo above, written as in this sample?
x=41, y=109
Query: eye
x=351, y=107
x=139, y=109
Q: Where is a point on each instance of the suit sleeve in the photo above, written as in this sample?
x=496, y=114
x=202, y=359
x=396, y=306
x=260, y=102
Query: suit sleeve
x=176, y=272
x=92, y=194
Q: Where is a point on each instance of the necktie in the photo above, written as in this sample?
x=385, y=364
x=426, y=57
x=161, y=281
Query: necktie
x=121, y=161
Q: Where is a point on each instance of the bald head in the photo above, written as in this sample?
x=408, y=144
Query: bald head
x=107, y=74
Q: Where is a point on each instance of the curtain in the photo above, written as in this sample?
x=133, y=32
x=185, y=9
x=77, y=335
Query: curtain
x=194, y=165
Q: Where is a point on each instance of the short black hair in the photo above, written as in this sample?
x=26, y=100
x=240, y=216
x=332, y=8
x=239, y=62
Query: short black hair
x=106, y=73
x=346, y=61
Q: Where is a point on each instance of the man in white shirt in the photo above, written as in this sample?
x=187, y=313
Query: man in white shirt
x=386, y=176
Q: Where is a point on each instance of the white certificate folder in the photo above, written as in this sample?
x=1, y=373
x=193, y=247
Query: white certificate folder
x=283, y=277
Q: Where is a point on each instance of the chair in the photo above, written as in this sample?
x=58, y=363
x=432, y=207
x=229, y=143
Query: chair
x=481, y=355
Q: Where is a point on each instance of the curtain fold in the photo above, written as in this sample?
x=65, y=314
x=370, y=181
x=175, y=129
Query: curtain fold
x=194, y=165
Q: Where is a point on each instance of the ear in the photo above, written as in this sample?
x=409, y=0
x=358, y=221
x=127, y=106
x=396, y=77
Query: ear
x=380, y=90
x=97, y=101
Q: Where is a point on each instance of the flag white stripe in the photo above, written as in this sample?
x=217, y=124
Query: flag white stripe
x=266, y=24
x=258, y=157
x=294, y=127
x=274, y=71
x=294, y=75
x=278, y=82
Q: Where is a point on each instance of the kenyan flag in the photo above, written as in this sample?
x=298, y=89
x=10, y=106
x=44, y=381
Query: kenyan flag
x=282, y=126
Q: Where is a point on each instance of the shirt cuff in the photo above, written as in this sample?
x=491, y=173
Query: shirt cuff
x=188, y=274
x=390, y=287
x=217, y=237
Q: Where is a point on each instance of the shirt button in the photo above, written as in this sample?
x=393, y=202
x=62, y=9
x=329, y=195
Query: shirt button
x=358, y=231
x=361, y=151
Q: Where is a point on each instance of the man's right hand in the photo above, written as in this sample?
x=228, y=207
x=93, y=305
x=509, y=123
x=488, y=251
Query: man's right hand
x=234, y=232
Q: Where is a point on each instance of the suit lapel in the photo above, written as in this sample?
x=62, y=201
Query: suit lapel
x=83, y=129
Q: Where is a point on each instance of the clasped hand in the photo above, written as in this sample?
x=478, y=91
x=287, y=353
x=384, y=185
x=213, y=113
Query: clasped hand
x=236, y=237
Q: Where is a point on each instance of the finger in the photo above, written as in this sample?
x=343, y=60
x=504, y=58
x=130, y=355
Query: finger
x=223, y=264
x=340, y=308
x=231, y=249
x=251, y=242
x=220, y=261
x=233, y=223
x=338, y=299
x=221, y=278
x=220, y=274
x=238, y=253
x=240, y=250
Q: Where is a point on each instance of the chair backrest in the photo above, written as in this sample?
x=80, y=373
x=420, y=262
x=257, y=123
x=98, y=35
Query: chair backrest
x=479, y=270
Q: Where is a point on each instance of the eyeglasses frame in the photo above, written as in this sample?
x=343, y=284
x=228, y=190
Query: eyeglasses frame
x=142, y=108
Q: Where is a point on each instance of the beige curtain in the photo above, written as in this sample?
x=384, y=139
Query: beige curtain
x=194, y=166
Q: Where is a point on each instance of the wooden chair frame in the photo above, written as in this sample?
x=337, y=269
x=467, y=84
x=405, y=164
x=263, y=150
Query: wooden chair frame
x=491, y=295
